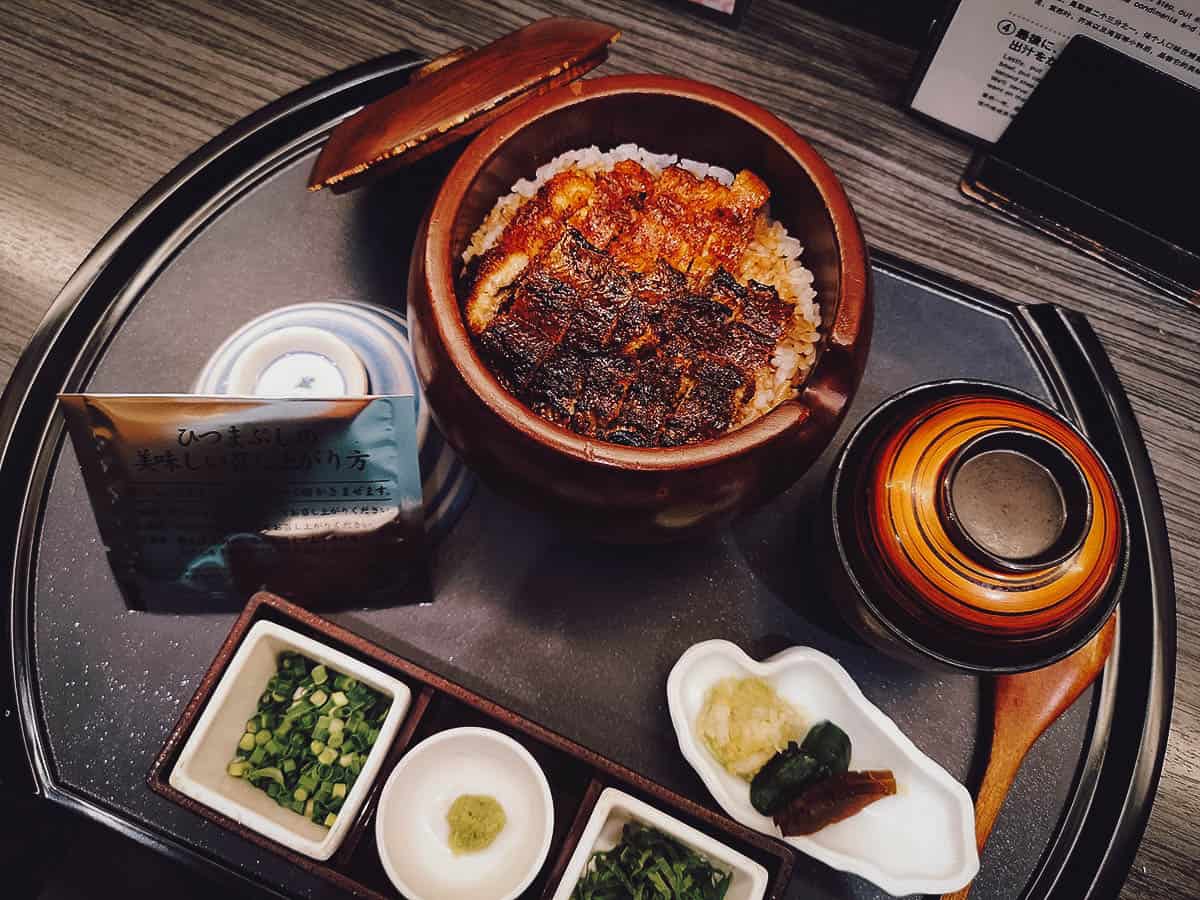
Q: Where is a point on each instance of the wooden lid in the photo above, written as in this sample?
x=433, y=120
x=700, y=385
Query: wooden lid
x=457, y=95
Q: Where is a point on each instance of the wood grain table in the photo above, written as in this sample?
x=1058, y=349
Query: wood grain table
x=98, y=101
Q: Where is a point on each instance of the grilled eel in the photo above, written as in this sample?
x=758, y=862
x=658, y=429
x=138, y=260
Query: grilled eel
x=607, y=305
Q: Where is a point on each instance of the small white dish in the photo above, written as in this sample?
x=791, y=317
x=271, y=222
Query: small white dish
x=201, y=774
x=603, y=832
x=920, y=841
x=413, y=835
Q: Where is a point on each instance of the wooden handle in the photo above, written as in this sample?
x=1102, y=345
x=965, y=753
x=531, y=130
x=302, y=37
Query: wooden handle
x=1025, y=706
x=998, y=778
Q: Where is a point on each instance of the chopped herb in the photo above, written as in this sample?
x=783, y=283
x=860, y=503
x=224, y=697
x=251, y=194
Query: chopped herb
x=648, y=865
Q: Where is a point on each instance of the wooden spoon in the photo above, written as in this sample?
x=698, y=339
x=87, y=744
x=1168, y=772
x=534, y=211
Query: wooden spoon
x=1025, y=706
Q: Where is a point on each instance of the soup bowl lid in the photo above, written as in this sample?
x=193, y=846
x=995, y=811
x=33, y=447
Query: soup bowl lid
x=924, y=580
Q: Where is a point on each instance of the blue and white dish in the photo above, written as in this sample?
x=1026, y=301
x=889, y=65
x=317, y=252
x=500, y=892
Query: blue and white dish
x=317, y=335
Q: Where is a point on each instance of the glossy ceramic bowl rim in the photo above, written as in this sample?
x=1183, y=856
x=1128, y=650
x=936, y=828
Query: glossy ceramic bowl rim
x=964, y=385
x=431, y=742
x=849, y=323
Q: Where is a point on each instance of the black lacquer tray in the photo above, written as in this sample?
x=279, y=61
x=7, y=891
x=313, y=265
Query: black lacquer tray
x=576, y=637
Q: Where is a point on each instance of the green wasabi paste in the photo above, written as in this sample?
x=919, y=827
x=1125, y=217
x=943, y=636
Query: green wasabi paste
x=475, y=821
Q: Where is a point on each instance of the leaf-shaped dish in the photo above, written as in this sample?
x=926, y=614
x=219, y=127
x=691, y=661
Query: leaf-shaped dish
x=920, y=841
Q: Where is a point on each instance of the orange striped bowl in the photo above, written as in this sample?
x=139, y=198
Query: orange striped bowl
x=974, y=573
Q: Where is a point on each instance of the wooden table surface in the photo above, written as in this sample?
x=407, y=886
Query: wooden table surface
x=99, y=100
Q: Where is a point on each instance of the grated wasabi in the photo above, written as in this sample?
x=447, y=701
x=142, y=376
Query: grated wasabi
x=475, y=821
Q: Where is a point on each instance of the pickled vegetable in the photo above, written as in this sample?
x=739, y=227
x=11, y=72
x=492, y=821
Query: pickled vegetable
x=833, y=799
x=788, y=773
x=744, y=723
x=830, y=745
x=825, y=752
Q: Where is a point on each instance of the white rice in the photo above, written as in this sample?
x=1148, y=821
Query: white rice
x=773, y=258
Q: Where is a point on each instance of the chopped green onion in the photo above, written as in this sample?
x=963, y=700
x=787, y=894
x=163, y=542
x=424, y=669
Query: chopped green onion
x=309, y=738
x=271, y=772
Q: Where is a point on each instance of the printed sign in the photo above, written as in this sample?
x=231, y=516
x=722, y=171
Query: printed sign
x=993, y=52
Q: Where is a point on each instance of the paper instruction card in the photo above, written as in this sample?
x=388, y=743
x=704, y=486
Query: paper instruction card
x=201, y=501
x=992, y=53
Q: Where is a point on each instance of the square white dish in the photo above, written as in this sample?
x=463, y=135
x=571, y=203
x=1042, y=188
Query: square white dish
x=603, y=832
x=200, y=772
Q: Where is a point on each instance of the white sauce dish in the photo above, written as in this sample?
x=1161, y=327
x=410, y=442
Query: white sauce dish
x=413, y=834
